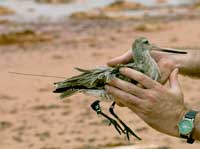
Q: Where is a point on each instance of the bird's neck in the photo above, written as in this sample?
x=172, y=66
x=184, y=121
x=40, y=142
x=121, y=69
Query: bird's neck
x=141, y=57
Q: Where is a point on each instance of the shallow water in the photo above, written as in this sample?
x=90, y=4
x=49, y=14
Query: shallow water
x=168, y=2
x=30, y=11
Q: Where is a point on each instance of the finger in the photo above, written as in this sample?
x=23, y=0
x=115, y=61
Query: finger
x=141, y=78
x=173, y=81
x=128, y=87
x=157, y=55
x=167, y=67
x=119, y=103
x=123, y=97
x=123, y=59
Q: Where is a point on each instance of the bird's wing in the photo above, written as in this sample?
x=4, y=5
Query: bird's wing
x=88, y=79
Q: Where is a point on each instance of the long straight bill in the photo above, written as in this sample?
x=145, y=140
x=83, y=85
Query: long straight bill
x=169, y=50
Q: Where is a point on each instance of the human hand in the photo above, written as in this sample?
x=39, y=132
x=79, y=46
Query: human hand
x=166, y=62
x=159, y=106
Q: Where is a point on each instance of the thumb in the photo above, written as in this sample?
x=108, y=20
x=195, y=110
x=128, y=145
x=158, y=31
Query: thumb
x=123, y=59
x=173, y=81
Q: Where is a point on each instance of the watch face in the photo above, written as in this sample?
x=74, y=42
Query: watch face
x=185, y=127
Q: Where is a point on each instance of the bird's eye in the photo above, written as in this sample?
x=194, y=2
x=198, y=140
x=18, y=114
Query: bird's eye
x=146, y=42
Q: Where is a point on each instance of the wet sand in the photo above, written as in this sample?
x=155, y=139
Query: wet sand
x=33, y=117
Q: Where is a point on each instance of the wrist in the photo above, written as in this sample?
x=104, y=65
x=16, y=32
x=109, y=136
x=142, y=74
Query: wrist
x=182, y=113
x=188, y=64
x=176, y=118
x=196, y=132
x=181, y=62
x=188, y=126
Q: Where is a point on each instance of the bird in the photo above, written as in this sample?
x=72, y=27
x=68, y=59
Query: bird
x=92, y=82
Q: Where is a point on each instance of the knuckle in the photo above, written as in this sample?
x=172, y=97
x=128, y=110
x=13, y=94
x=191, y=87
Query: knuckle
x=127, y=97
x=159, y=88
x=151, y=96
x=140, y=78
x=129, y=88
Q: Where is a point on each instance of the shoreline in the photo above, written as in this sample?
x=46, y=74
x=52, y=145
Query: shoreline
x=32, y=12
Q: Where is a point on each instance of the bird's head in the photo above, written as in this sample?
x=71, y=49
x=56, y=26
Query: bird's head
x=141, y=44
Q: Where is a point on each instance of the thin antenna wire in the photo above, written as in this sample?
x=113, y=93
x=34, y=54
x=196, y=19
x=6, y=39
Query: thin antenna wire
x=36, y=75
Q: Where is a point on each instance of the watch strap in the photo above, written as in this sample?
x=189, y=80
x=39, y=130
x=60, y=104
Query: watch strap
x=190, y=115
x=190, y=140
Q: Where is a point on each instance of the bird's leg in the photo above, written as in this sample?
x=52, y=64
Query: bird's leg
x=96, y=107
x=126, y=130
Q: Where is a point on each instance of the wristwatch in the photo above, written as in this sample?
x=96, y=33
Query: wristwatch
x=186, y=126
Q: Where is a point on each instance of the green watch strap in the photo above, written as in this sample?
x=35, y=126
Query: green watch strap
x=191, y=114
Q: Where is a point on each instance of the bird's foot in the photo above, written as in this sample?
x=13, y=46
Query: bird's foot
x=96, y=107
x=128, y=131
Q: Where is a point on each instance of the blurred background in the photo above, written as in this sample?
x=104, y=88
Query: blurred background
x=50, y=37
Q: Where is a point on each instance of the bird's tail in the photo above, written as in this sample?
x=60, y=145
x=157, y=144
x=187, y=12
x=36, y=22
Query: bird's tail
x=88, y=79
x=68, y=93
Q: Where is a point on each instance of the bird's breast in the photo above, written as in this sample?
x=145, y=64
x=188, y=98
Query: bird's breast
x=151, y=69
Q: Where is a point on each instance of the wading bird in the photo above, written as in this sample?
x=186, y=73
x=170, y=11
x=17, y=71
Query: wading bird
x=92, y=82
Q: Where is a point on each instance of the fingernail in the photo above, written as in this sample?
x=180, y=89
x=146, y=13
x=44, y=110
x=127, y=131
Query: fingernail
x=112, y=81
x=122, y=70
x=106, y=87
x=176, y=70
x=108, y=81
